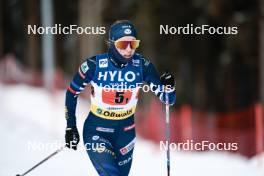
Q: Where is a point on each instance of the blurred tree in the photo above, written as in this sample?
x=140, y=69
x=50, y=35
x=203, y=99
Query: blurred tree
x=47, y=44
x=32, y=48
x=67, y=55
x=231, y=65
x=90, y=14
x=14, y=29
x=261, y=51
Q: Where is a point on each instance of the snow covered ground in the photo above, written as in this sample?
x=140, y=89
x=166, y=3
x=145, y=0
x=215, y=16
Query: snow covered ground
x=33, y=115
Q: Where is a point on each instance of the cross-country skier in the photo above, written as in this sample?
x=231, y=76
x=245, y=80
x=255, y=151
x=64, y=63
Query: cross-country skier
x=109, y=130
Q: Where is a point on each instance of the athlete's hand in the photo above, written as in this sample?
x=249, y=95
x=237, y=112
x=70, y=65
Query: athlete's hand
x=72, y=137
x=167, y=79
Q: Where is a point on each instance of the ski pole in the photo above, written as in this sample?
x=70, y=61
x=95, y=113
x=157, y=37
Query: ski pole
x=168, y=132
x=42, y=161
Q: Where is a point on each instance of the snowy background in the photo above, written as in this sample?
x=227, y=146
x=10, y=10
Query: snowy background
x=34, y=115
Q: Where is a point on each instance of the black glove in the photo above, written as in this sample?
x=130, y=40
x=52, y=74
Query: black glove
x=72, y=137
x=167, y=79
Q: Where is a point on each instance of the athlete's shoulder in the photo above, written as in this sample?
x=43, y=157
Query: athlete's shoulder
x=145, y=61
x=90, y=60
x=87, y=66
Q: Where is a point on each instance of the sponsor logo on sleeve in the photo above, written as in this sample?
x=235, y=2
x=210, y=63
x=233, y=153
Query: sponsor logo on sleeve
x=84, y=67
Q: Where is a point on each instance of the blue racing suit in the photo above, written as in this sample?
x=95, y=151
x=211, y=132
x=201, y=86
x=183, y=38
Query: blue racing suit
x=109, y=129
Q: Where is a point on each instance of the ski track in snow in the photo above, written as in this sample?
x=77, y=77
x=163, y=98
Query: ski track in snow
x=33, y=115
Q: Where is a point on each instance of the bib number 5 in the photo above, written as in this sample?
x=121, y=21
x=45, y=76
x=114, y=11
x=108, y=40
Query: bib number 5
x=116, y=98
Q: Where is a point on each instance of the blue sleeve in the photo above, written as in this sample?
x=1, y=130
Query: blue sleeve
x=151, y=77
x=84, y=75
